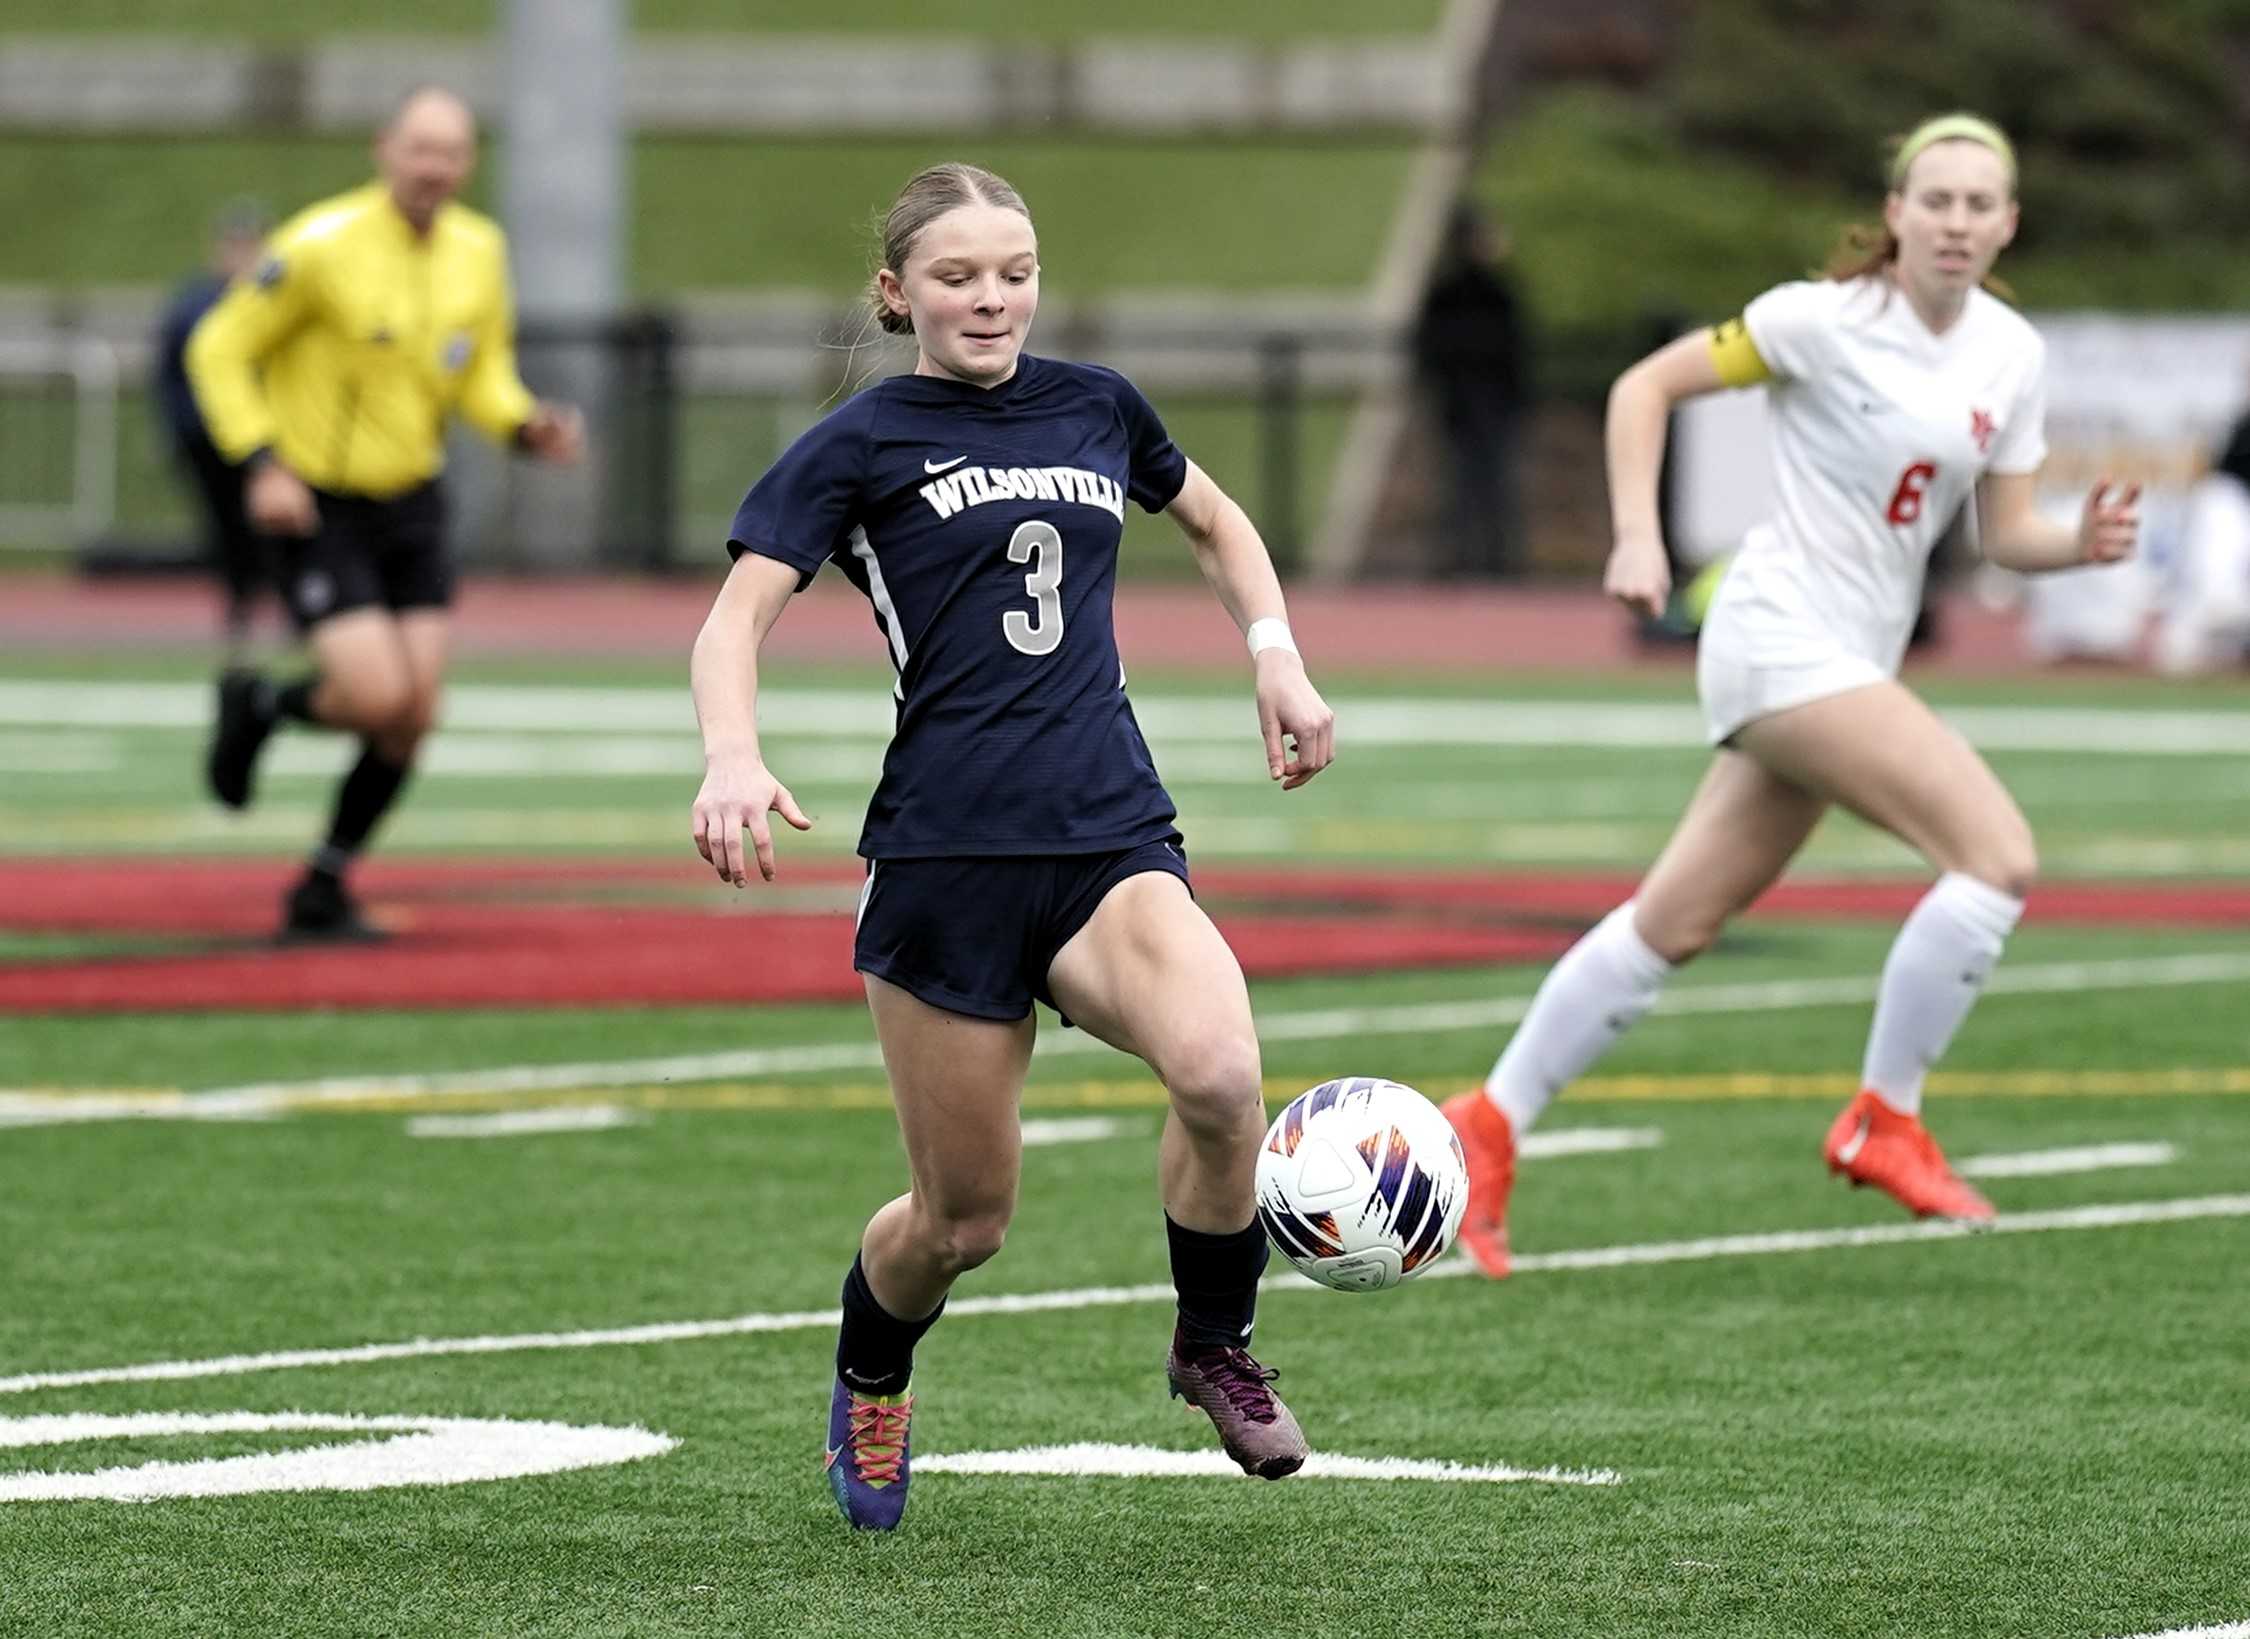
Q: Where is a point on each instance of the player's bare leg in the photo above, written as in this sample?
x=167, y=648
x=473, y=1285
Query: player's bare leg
x=957, y=1083
x=1741, y=828
x=1149, y=973
x=1881, y=752
x=1738, y=834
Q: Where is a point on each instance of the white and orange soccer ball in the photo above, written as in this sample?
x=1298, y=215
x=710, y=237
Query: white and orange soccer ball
x=1361, y=1183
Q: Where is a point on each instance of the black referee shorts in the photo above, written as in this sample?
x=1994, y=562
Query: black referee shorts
x=976, y=936
x=367, y=553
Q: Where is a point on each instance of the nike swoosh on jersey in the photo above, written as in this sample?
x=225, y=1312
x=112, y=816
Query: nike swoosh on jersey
x=940, y=466
x=1848, y=1151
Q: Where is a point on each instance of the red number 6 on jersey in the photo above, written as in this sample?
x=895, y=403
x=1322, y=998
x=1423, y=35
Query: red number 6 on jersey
x=1906, y=500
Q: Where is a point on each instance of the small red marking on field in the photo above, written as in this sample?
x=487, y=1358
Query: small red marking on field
x=593, y=933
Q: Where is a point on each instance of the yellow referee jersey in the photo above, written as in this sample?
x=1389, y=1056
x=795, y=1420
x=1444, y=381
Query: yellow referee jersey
x=355, y=337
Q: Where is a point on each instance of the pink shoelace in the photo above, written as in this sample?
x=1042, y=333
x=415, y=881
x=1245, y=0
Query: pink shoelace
x=879, y=1438
x=1243, y=1381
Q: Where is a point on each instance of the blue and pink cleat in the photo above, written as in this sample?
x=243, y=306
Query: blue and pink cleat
x=867, y=1455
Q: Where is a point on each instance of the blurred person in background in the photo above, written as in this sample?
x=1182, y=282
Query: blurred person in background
x=2207, y=626
x=1020, y=846
x=1898, y=390
x=1472, y=351
x=230, y=547
x=330, y=372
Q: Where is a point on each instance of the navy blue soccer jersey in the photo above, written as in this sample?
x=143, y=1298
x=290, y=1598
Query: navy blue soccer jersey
x=982, y=524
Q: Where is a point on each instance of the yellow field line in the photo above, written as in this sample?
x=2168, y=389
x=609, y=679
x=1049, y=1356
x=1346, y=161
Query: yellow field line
x=2145, y=1083
x=1146, y=1094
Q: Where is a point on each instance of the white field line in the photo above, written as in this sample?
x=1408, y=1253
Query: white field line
x=1586, y=1141
x=2225, y=1630
x=1071, y=1129
x=409, y=1451
x=454, y=754
x=539, y=1078
x=1194, y=764
x=2118, y=1216
x=1089, y=1458
x=1319, y=1024
x=46, y=1109
x=572, y=1118
x=93, y=826
x=2056, y=1163
x=1391, y=720
x=72, y=753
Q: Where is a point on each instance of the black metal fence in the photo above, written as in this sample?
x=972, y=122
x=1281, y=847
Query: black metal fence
x=683, y=418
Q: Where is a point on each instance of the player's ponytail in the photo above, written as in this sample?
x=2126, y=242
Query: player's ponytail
x=925, y=198
x=1861, y=250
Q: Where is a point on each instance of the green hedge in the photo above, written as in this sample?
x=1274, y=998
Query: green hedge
x=1619, y=216
x=716, y=212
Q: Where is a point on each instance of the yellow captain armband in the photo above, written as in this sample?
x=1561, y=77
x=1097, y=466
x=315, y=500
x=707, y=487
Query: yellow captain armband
x=1736, y=357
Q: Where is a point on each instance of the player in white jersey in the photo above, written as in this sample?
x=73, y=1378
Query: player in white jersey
x=1899, y=391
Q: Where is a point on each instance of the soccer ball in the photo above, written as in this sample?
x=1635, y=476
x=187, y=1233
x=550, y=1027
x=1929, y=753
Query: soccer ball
x=1361, y=1183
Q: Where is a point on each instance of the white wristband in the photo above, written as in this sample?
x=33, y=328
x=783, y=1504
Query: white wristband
x=1270, y=633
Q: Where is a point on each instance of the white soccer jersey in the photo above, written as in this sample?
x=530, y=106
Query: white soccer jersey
x=1880, y=430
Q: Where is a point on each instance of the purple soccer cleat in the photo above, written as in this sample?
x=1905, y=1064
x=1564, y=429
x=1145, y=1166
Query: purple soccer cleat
x=867, y=1456
x=1236, y=1393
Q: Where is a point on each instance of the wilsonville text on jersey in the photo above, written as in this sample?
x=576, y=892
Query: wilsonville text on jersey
x=974, y=486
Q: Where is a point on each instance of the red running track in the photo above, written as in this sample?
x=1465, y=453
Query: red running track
x=476, y=934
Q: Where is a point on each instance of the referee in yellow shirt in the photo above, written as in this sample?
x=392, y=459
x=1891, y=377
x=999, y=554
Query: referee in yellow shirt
x=331, y=370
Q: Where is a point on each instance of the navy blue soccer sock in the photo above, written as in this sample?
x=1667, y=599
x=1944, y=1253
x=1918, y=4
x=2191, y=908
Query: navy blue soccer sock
x=1217, y=1279
x=875, y=1349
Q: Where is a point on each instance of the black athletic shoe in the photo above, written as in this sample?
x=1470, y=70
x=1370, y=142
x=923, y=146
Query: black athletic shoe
x=236, y=740
x=319, y=911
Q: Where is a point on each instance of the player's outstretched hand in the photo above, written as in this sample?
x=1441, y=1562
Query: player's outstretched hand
x=1639, y=576
x=2110, y=526
x=735, y=799
x=1299, y=729
x=556, y=432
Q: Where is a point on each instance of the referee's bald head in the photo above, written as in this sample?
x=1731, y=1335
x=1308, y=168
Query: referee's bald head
x=426, y=151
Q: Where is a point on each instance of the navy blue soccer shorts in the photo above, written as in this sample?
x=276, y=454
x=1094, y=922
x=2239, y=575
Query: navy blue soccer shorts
x=976, y=936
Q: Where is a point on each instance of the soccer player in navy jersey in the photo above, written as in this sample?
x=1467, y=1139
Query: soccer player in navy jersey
x=1020, y=844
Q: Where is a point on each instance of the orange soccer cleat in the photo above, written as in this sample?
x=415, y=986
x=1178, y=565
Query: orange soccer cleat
x=1488, y=1144
x=1871, y=1143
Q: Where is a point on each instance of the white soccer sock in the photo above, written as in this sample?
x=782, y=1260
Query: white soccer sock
x=1591, y=997
x=1936, y=969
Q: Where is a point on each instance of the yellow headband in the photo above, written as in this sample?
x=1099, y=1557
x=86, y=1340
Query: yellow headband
x=1952, y=128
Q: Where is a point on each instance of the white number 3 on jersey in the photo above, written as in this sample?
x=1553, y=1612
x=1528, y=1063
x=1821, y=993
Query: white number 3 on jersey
x=1040, y=545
